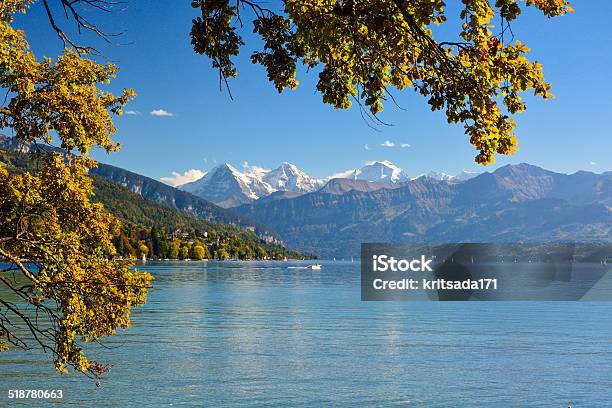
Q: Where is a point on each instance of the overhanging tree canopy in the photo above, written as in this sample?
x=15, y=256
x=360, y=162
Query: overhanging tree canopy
x=364, y=47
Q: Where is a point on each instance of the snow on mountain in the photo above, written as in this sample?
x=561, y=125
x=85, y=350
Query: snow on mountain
x=259, y=188
x=375, y=171
x=537, y=206
x=228, y=187
x=466, y=175
x=225, y=186
x=459, y=178
x=288, y=177
x=440, y=176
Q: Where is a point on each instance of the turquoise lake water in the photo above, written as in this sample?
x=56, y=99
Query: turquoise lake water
x=259, y=334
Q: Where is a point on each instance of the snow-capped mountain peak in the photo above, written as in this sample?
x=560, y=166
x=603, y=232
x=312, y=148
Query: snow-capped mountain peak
x=288, y=177
x=375, y=171
x=223, y=185
x=440, y=176
x=227, y=186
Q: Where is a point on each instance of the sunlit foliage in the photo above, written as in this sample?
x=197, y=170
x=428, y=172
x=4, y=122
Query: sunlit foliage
x=60, y=286
x=362, y=48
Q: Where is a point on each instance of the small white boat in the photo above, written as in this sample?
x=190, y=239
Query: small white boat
x=313, y=266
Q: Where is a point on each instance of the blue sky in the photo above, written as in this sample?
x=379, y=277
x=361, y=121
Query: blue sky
x=261, y=127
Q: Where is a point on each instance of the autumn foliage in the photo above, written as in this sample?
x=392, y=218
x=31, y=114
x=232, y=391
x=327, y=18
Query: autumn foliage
x=59, y=285
x=363, y=49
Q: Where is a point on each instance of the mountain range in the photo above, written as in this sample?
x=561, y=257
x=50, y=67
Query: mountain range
x=228, y=187
x=516, y=203
x=378, y=203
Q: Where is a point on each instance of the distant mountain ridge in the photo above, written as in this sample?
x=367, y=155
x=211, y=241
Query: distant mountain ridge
x=228, y=187
x=516, y=203
x=341, y=186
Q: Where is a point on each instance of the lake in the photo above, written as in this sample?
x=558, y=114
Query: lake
x=260, y=334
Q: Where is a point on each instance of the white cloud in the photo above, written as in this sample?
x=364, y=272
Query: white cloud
x=390, y=144
x=178, y=179
x=366, y=147
x=343, y=174
x=161, y=112
x=592, y=163
x=132, y=113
